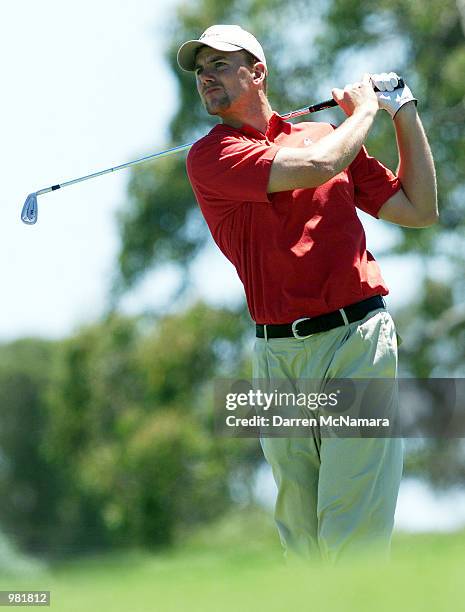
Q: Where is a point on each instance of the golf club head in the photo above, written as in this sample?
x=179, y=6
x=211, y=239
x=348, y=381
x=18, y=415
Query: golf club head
x=30, y=210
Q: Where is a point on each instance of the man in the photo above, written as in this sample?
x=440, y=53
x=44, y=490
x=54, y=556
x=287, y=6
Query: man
x=280, y=201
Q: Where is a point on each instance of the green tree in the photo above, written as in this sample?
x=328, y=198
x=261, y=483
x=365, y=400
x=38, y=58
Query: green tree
x=130, y=421
x=29, y=486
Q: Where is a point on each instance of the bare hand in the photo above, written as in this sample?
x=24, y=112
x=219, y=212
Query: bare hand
x=356, y=96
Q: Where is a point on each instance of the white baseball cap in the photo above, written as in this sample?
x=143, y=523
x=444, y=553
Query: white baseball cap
x=223, y=38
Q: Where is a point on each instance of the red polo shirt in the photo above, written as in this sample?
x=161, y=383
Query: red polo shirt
x=298, y=253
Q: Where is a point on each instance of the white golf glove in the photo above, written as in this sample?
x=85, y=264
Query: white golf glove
x=390, y=98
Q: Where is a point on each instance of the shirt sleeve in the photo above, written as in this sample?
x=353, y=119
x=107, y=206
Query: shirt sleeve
x=374, y=184
x=231, y=168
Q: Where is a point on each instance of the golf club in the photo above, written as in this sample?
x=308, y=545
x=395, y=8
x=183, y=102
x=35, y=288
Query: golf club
x=30, y=211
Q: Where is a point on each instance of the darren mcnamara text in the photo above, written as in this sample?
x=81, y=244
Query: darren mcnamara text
x=321, y=421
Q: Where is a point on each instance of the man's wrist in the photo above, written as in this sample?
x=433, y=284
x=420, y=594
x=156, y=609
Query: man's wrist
x=366, y=109
x=406, y=112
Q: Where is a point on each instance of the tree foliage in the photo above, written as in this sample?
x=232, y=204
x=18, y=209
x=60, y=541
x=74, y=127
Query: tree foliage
x=28, y=488
x=106, y=436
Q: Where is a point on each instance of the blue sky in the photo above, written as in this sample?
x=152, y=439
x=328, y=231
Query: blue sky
x=85, y=87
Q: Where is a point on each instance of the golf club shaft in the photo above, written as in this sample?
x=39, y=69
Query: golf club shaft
x=306, y=110
x=29, y=211
x=297, y=113
x=177, y=149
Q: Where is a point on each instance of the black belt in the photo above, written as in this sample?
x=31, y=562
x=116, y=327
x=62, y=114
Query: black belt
x=314, y=325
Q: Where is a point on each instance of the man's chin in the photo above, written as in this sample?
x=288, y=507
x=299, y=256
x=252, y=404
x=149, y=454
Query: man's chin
x=216, y=108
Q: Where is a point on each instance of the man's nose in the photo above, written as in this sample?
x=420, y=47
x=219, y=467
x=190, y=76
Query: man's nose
x=206, y=77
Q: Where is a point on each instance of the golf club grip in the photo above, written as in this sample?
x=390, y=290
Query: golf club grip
x=330, y=103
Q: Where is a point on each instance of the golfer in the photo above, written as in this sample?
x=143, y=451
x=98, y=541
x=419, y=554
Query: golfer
x=280, y=201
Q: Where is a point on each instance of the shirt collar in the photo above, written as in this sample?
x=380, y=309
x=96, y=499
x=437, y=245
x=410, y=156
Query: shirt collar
x=276, y=125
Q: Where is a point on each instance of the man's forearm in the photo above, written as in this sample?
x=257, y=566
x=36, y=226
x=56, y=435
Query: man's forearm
x=416, y=166
x=342, y=146
x=308, y=167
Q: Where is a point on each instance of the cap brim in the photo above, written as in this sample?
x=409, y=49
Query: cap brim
x=188, y=51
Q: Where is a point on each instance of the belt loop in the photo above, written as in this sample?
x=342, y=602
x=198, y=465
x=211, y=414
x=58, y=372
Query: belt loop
x=344, y=316
x=265, y=333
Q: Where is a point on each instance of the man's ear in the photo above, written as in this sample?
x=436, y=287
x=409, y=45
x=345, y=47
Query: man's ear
x=259, y=70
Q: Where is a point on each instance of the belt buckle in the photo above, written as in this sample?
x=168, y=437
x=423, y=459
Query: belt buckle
x=294, y=328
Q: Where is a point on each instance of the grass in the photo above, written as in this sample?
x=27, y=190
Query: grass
x=237, y=565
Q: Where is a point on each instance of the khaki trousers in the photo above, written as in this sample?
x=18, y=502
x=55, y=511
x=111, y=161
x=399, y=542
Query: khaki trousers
x=336, y=496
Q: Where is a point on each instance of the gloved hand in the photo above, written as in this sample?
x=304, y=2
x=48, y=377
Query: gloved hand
x=389, y=98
